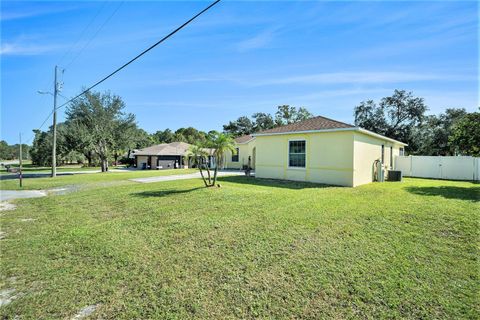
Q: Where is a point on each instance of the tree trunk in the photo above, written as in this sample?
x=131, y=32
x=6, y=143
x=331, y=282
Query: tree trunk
x=116, y=158
x=209, y=177
x=215, y=176
x=104, y=165
x=88, y=155
x=203, y=177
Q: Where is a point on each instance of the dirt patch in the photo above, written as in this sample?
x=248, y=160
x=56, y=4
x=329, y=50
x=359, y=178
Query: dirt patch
x=63, y=190
x=85, y=312
x=7, y=296
x=5, y=206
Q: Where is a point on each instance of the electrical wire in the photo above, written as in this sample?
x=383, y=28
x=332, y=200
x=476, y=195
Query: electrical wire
x=82, y=33
x=44, y=121
x=95, y=34
x=130, y=61
x=141, y=54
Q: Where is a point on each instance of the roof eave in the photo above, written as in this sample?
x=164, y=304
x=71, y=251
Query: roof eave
x=333, y=130
x=246, y=142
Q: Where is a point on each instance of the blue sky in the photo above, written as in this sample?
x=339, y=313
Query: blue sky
x=237, y=59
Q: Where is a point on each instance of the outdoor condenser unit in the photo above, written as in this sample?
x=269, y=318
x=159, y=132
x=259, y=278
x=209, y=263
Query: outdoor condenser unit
x=394, y=175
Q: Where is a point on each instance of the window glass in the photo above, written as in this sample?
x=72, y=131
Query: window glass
x=235, y=155
x=296, y=153
x=391, y=157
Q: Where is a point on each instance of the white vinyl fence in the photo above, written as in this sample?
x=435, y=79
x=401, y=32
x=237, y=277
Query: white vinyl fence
x=450, y=168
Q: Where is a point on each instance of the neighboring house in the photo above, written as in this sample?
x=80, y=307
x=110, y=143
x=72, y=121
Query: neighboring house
x=244, y=149
x=323, y=150
x=166, y=156
x=130, y=154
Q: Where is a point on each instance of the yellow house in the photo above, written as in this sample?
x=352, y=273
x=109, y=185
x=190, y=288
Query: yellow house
x=323, y=150
x=244, y=150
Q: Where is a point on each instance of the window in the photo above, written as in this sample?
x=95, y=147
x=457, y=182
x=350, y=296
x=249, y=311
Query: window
x=235, y=155
x=391, y=157
x=296, y=153
x=402, y=152
x=383, y=154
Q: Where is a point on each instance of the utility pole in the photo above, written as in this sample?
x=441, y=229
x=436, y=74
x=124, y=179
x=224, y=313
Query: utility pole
x=20, y=160
x=54, y=147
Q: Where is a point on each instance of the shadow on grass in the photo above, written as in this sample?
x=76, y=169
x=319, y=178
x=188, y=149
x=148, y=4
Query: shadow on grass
x=448, y=192
x=273, y=182
x=163, y=193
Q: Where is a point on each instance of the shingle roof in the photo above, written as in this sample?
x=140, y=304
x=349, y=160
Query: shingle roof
x=170, y=149
x=243, y=139
x=315, y=123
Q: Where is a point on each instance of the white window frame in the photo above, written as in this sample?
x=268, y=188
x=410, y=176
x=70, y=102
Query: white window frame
x=288, y=155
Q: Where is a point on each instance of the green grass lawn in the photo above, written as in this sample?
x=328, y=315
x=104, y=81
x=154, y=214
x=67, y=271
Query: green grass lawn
x=251, y=249
x=29, y=168
x=90, y=180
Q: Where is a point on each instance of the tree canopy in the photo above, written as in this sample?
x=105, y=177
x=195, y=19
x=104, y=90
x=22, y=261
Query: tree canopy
x=102, y=124
x=395, y=117
x=465, y=137
x=260, y=121
x=98, y=129
x=10, y=152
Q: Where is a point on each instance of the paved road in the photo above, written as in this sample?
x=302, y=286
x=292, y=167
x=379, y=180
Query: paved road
x=185, y=176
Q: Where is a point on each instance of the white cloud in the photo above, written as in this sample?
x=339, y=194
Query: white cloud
x=32, y=12
x=26, y=49
x=327, y=78
x=260, y=40
x=357, y=78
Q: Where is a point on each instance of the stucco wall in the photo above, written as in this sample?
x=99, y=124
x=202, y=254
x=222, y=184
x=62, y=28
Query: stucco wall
x=329, y=158
x=154, y=162
x=245, y=150
x=140, y=160
x=367, y=150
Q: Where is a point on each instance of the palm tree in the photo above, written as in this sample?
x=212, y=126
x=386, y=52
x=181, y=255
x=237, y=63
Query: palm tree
x=199, y=156
x=221, y=143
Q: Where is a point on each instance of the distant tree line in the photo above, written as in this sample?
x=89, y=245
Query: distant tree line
x=402, y=117
x=97, y=130
x=263, y=121
x=10, y=152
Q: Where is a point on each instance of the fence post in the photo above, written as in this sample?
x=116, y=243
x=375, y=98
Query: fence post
x=411, y=165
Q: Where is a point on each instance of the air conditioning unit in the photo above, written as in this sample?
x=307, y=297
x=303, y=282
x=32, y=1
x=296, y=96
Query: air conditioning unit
x=394, y=175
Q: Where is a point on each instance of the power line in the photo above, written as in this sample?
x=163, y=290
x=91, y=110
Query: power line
x=141, y=54
x=129, y=62
x=95, y=34
x=44, y=121
x=65, y=55
x=82, y=33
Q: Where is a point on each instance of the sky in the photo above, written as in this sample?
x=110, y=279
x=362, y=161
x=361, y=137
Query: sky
x=237, y=59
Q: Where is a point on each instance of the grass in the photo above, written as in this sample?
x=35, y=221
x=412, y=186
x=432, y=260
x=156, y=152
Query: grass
x=90, y=180
x=251, y=249
x=29, y=168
